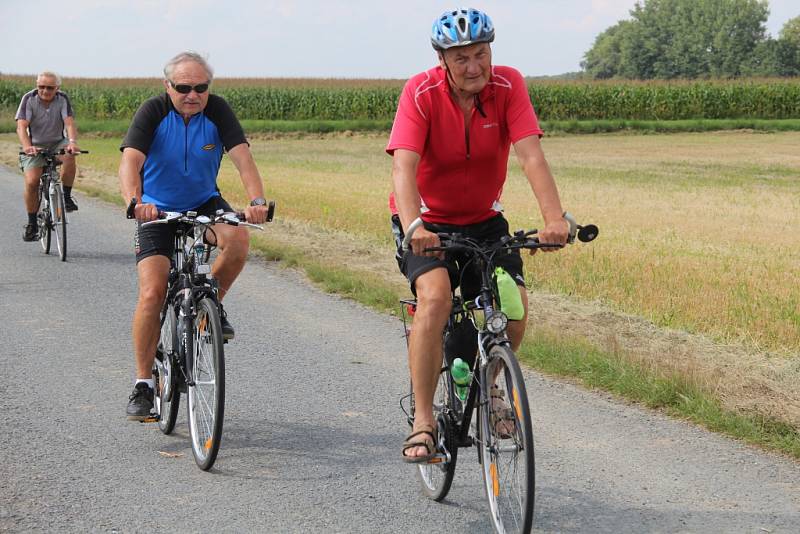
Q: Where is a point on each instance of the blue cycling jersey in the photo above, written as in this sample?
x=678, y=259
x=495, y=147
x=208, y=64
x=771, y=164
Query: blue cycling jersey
x=182, y=159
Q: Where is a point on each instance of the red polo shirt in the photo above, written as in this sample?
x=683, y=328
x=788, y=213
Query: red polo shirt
x=460, y=183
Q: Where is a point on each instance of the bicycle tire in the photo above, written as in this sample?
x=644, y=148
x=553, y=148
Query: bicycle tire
x=206, y=397
x=59, y=220
x=43, y=220
x=437, y=478
x=165, y=370
x=507, y=456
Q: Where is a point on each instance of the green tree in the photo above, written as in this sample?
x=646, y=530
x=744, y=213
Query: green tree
x=683, y=39
x=789, y=48
x=604, y=59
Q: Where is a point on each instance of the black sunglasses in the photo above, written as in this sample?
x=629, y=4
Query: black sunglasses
x=185, y=88
x=46, y=87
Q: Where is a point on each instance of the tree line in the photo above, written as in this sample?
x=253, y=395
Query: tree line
x=668, y=39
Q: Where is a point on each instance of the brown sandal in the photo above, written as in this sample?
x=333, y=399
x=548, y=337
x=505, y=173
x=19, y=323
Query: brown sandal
x=502, y=416
x=430, y=445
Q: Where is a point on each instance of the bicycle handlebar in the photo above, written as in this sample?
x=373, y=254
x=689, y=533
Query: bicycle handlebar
x=46, y=152
x=241, y=219
x=584, y=234
x=234, y=218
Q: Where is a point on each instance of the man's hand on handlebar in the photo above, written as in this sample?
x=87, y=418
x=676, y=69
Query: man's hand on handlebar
x=145, y=212
x=554, y=232
x=423, y=239
x=31, y=150
x=256, y=214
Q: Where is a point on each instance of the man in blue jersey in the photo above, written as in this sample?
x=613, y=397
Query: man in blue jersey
x=170, y=159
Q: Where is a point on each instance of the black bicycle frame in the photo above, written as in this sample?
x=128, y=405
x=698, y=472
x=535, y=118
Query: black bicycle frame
x=486, y=340
x=184, y=293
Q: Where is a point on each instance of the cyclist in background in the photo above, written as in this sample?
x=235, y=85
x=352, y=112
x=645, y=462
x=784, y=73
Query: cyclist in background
x=42, y=117
x=450, y=141
x=170, y=160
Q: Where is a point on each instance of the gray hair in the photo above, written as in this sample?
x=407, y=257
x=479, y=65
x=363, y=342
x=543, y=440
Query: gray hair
x=184, y=57
x=48, y=74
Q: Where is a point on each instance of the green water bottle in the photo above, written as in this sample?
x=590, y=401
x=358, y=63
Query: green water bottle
x=510, y=299
x=462, y=377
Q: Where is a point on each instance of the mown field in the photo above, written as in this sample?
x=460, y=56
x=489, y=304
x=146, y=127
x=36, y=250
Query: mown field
x=697, y=229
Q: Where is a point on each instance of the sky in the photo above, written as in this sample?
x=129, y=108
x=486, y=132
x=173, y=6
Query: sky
x=300, y=38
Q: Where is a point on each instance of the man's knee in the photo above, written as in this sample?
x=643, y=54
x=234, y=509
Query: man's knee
x=433, y=294
x=32, y=177
x=68, y=165
x=236, y=244
x=151, y=296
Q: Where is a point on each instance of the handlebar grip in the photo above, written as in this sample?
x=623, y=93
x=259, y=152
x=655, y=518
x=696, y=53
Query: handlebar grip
x=573, y=227
x=131, y=208
x=416, y=223
x=270, y=210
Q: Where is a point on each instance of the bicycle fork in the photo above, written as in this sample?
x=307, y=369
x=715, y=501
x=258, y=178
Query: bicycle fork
x=185, y=331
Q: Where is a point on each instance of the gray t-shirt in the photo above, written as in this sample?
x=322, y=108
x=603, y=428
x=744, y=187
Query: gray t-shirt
x=45, y=123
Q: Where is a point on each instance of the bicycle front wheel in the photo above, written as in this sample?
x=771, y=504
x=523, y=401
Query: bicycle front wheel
x=207, y=395
x=506, y=443
x=436, y=478
x=43, y=221
x=165, y=371
x=59, y=220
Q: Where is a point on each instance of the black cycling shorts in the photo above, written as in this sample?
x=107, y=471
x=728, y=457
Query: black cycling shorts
x=490, y=230
x=159, y=239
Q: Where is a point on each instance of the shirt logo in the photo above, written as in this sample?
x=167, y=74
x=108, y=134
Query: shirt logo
x=210, y=146
x=490, y=125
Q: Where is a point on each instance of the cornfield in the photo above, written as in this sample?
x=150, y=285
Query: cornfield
x=282, y=99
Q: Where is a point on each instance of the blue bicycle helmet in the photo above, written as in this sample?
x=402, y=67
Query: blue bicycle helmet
x=461, y=27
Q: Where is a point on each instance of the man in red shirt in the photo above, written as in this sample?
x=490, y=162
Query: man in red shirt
x=450, y=141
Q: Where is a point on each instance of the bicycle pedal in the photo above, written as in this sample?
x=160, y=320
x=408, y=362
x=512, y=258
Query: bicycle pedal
x=438, y=459
x=150, y=419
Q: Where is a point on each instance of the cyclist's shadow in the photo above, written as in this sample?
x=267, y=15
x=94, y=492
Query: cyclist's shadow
x=255, y=448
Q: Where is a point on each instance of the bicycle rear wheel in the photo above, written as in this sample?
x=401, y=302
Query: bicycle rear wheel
x=436, y=478
x=59, y=220
x=167, y=397
x=506, y=443
x=207, y=396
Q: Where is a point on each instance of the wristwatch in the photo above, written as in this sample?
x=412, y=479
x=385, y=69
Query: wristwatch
x=260, y=201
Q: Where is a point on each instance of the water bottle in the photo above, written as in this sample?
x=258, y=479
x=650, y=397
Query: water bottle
x=462, y=377
x=510, y=299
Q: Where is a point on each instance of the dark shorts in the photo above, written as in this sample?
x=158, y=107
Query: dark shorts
x=491, y=230
x=159, y=239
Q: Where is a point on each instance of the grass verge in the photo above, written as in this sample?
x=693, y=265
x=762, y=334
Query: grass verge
x=673, y=394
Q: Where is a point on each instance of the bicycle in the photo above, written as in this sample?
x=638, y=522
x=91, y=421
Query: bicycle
x=52, y=214
x=190, y=355
x=502, y=431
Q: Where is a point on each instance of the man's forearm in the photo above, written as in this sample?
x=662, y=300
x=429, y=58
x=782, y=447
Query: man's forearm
x=248, y=172
x=72, y=132
x=130, y=183
x=544, y=189
x=24, y=138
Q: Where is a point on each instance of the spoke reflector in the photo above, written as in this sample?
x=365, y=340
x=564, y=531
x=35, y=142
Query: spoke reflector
x=495, y=482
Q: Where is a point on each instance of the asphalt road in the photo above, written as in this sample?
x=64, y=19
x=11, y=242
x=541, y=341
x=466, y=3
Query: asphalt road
x=313, y=427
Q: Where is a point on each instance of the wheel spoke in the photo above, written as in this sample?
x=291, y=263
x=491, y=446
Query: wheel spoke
x=206, y=395
x=507, y=444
